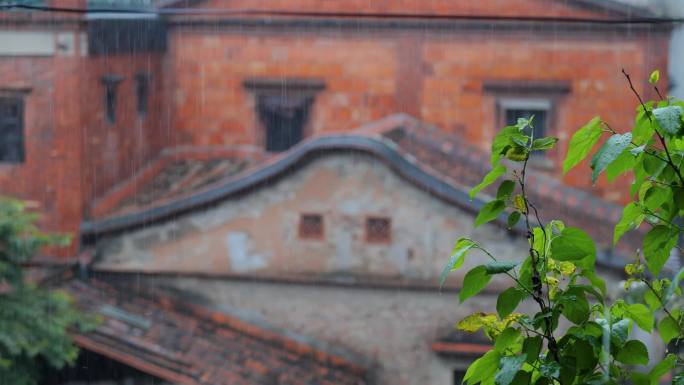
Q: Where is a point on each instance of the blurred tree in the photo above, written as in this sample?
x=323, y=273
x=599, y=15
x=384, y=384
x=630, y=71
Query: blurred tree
x=34, y=322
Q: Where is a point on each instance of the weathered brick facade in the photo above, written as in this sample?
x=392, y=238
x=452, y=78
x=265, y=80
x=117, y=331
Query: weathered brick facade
x=453, y=73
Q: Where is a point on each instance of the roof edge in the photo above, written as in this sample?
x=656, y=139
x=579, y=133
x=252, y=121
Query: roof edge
x=276, y=167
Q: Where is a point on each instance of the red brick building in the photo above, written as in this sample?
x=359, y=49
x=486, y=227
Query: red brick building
x=304, y=161
x=100, y=98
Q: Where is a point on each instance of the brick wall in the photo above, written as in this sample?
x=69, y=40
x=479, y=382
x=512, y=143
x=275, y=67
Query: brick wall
x=437, y=76
x=114, y=151
x=50, y=176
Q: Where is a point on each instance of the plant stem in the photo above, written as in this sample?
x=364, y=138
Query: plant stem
x=536, y=279
x=662, y=304
x=660, y=137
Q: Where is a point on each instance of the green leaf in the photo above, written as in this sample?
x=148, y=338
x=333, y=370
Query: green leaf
x=489, y=212
x=631, y=219
x=522, y=378
x=509, y=366
x=654, y=77
x=669, y=118
x=623, y=163
x=609, y=152
x=458, y=254
x=550, y=369
x=572, y=244
x=675, y=283
x=544, y=143
x=482, y=368
x=581, y=143
x=584, y=354
x=633, y=353
x=668, y=329
x=639, y=378
x=662, y=367
x=513, y=219
x=643, y=129
x=502, y=142
x=678, y=379
x=474, y=281
x=505, y=189
x=488, y=179
x=619, y=332
x=658, y=244
x=532, y=347
x=595, y=280
x=507, y=338
x=651, y=300
x=655, y=197
x=640, y=314
x=575, y=305
x=508, y=300
x=498, y=267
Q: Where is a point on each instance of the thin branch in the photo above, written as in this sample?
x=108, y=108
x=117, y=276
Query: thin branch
x=650, y=120
x=662, y=304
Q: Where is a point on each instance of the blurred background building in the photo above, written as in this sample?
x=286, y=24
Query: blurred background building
x=265, y=192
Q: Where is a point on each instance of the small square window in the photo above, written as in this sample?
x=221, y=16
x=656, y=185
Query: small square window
x=378, y=229
x=311, y=226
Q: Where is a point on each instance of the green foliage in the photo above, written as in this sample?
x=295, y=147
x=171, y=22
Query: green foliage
x=34, y=322
x=474, y=281
x=581, y=143
x=608, y=153
x=558, y=275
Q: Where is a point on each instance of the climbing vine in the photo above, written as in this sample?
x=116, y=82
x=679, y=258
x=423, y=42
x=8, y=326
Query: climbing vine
x=558, y=274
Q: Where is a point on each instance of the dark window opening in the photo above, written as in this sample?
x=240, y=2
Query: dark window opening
x=142, y=91
x=527, y=109
x=111, y=82
x=538, y=123
x=458, y=377
x=311, y=226
x=378, y=229
x=11, y=129
x=284, y=118
x=283, y=107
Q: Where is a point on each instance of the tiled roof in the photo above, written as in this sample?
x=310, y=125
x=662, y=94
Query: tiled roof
x=445, y=155
x=431, y=159
x=176, y=173
x=181, y=177
x=188, y=344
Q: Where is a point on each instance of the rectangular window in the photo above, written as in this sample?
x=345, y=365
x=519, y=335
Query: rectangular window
x=283, y=107
x=311, y=226
x=11, y=129
x=111, y=82
x=142, y=90
x=378, y=229
x=515, y=109
x=459, y=374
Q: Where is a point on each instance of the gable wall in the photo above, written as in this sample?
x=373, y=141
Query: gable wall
x=257, y=234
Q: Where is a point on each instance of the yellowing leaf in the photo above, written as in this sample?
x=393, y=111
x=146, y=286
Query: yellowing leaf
x=476, y=321
x=566, y=268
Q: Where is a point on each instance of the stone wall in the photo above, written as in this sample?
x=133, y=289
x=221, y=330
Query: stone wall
x=258, y=233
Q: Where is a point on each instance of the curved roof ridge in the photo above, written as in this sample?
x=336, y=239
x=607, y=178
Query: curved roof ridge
x=363, y=140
